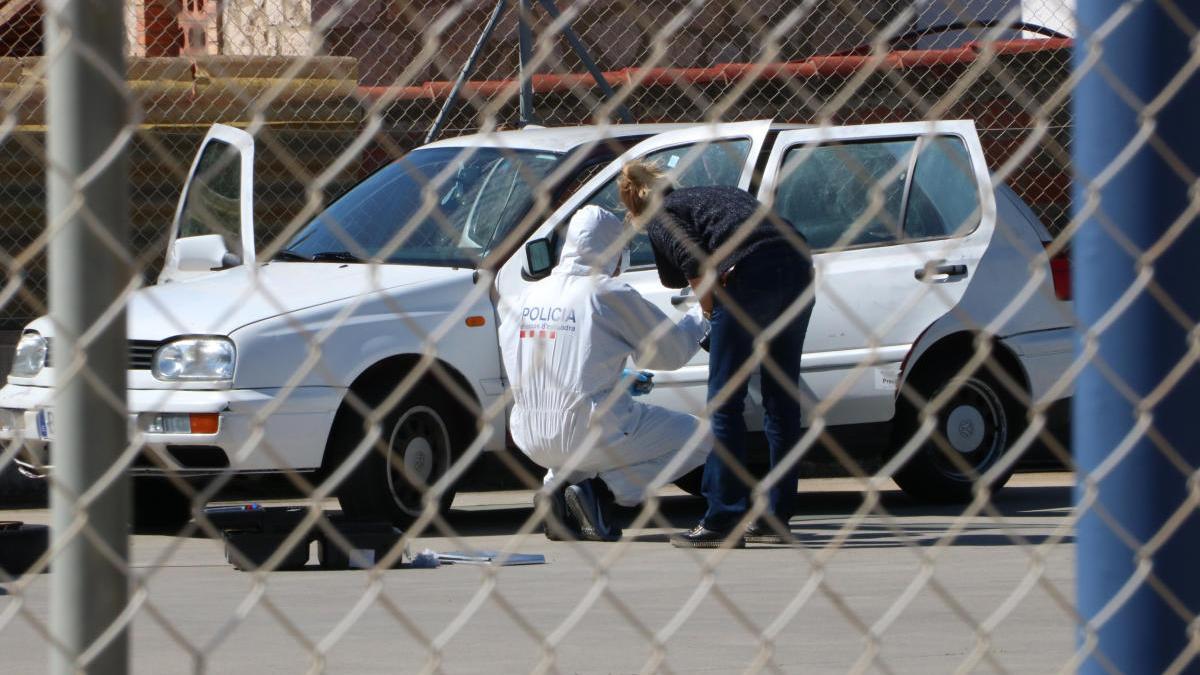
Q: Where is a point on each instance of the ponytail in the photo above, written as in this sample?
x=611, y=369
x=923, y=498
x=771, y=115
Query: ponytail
x=638, y=181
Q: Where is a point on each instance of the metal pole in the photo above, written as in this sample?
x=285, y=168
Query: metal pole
x=581, y=51
x=85, y=43
x=1138, y=497
x=465, y=73
x=525, y=53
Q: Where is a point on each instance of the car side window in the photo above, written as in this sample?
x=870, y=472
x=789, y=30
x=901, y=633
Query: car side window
x=585, y=174
x=213, y=203
x=841, y=195
x=715, y=163
x=845, y=194
x=944, y=197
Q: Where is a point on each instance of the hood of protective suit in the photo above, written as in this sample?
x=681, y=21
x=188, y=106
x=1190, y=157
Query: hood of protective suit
x=593, y=242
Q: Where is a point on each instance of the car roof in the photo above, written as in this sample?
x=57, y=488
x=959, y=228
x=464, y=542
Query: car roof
x=554, y=139
x=563, y=139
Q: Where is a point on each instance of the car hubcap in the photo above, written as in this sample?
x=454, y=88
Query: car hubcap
x=418, y=455
x=975, y=427
x=965, y=428
x=418, y=459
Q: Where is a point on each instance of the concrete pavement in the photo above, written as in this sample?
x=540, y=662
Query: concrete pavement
x=935, y=592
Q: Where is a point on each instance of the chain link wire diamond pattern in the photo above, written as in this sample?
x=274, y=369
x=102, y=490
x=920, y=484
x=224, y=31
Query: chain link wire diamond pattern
x=379, y=276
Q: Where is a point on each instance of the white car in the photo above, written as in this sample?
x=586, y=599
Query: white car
x=386, y=298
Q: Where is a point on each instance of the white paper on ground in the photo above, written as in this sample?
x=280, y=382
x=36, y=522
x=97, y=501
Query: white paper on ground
x=491, y=558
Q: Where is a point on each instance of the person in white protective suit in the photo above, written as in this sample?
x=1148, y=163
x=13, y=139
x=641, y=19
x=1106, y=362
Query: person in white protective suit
x=565, y=340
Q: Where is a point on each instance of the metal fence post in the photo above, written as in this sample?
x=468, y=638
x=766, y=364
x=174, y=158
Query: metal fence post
x=87, y=203
x=524, y=57
x=1138, y=535
x=465, y=74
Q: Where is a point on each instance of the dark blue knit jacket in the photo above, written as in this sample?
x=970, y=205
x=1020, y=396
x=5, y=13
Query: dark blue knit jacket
x=695, y=221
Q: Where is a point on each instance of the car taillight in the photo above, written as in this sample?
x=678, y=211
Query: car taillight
x=1060, y=270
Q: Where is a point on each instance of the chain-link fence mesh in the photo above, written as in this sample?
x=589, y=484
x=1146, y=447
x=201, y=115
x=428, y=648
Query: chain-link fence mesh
x=326, y=312
x=315, y=73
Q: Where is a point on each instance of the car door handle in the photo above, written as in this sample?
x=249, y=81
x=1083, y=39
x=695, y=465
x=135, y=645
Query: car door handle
x=684, y=298
x=940, y=271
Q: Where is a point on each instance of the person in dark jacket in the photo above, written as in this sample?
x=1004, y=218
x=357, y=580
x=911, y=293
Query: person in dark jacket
x=751, y=271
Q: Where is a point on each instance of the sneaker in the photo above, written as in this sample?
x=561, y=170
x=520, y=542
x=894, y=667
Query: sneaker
x=702, y=537
x=558, y=525
x=592, y=512
x=761, y=532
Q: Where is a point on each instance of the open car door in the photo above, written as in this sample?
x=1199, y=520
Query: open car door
x=706, y=154
x=214, y=222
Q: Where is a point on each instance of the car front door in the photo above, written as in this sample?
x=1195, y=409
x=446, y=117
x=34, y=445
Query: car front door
x=714, y=154
x=214, y=221
x=898, y=217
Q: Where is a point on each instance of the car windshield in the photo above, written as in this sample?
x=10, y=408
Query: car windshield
x=446, y=207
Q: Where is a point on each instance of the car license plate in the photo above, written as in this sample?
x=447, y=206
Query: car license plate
x=45, y=424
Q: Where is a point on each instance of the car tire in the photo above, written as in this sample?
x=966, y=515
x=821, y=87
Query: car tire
x=159, y=505
x=418, y=444
x=974, y=430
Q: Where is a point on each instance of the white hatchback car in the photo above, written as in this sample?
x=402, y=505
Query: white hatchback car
x=384, y=300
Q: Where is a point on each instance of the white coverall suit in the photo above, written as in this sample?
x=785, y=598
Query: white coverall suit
x=565, y=341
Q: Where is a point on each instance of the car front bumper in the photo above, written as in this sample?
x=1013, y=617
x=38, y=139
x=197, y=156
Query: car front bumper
x=259, y=430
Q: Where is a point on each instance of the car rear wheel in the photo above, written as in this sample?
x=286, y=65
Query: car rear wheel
x=973, y=430
x=416, y=447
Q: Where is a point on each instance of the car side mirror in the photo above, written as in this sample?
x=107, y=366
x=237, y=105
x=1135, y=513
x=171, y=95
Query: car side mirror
x=203, y=253
x=539, y=258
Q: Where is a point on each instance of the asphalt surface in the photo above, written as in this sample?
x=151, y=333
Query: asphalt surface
x=921, y=589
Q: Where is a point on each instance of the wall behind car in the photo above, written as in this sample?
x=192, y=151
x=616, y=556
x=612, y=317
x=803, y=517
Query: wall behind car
x=308, y=112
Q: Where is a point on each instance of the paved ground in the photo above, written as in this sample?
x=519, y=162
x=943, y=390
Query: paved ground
x=936, y=590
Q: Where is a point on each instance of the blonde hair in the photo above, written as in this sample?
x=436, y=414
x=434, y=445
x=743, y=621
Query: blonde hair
x=638, y=181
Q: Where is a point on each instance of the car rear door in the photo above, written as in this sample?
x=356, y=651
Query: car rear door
x=216, y=207
x=898, y=216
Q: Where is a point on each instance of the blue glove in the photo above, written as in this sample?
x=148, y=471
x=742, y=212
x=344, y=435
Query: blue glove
x=640, y=381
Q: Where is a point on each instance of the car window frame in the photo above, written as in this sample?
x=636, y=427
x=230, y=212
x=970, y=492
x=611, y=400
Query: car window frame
x=561, y=226
x=912, y=169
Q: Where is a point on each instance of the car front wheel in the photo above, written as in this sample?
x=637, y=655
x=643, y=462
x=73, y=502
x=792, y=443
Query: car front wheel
x=415, y=449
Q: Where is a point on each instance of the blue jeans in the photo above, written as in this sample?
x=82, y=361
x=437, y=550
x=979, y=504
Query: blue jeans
x=764, y=286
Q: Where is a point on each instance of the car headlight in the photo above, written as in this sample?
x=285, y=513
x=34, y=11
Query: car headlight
x=30, y=357
x=194, y=358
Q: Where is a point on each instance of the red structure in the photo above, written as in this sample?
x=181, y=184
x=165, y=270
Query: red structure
x=197, y=28
x=159, y=28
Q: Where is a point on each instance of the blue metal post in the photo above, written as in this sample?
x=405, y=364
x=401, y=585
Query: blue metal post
x=1140, y=495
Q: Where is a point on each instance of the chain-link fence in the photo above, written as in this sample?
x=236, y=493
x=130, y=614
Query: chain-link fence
x=316, y=73
x=657, y=250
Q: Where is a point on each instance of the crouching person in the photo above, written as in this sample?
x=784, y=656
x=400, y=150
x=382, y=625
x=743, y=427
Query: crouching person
x=565, y=341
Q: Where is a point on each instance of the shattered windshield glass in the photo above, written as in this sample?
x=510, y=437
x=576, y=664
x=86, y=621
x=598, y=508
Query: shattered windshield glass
x=447, y=207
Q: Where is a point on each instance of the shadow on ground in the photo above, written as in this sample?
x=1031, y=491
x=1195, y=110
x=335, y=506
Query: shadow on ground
x=822, y=517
